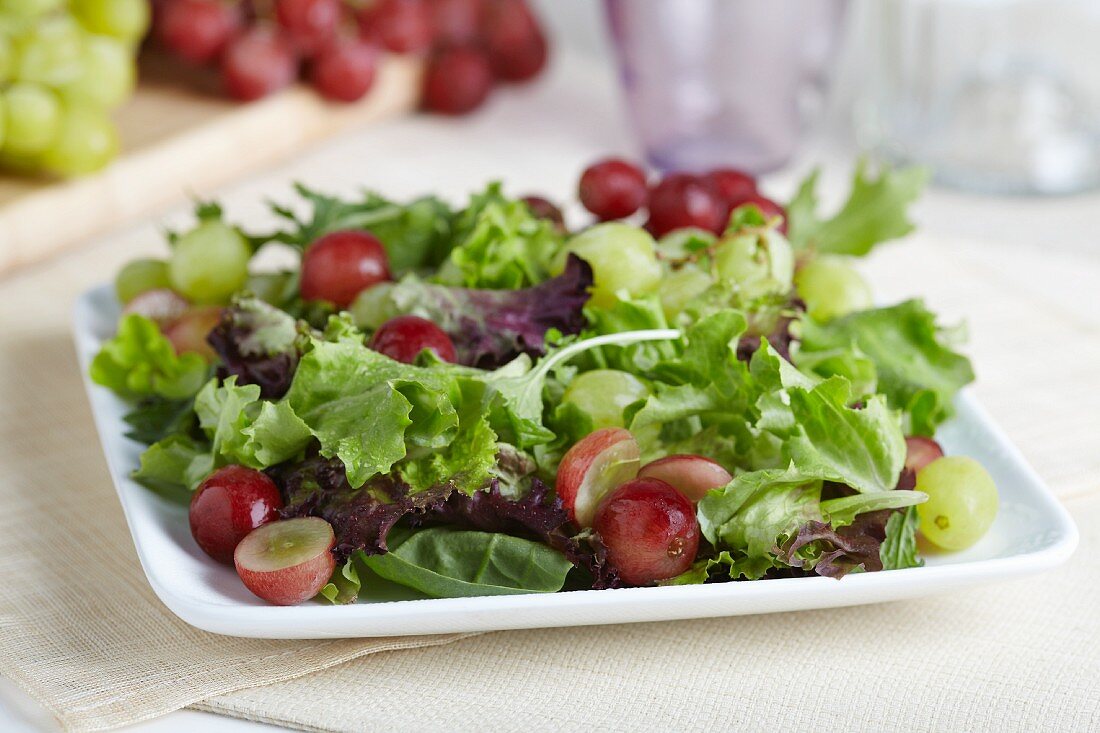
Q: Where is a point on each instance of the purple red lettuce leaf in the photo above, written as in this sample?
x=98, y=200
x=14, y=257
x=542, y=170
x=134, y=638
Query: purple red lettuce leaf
x=258, y=343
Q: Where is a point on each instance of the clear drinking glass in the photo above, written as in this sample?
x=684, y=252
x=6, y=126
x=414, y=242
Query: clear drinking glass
x=722, y=82
x=997, y=96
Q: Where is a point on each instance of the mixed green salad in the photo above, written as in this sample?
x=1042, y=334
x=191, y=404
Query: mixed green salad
x=479, y=400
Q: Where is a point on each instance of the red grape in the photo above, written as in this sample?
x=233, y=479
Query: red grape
x=542, y=208
x=287, y=562
x=613, y=189
x=258, y=63
x=920, y=451
x=310, y=24
x=515, y=42
x=768, y=208
x=457, y=22
x=340, y=265
x=457, y=81
x=649, y=529
x=189, y=331
x=402, y=26
x=732, y=186
x=691, y=475
x=230, y=503
x=197, y=30
x=344, y=70
x=683, y=200
x=404, y=337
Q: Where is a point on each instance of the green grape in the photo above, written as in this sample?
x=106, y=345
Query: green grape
x=209, y=263
x=3, y=122
x=126, y=20
x=5, y=57
x=679, y=288
x=49, y=52
x=962, y=502
x=107, y=75
x=373, y=307
x=762, y=264
x=832, y=288
x=273, y=287
x=623, y=257
x=86, y=142
x=604, y=394
x=32, y=117
x=139, y=276
x=28, y=8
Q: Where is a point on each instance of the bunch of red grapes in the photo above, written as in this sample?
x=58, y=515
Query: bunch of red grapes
x=261, y=47
x=615, y=189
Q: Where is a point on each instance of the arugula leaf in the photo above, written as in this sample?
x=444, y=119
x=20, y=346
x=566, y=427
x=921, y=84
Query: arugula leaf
x=899, y=549
x=416, y=235
x=140, y=362
x=175, y=466
x=156, y=418
x=449, y=563
x=875, y=212
x=916, y=367
x=500, y=244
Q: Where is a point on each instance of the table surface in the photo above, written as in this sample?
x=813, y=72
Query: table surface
x=537, y=139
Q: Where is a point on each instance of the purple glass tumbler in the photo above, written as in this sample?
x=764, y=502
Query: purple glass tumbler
x=722, y=82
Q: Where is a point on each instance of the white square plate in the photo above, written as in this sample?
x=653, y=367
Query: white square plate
x=1032, y=533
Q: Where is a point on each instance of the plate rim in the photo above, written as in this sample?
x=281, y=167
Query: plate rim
x=270, y=621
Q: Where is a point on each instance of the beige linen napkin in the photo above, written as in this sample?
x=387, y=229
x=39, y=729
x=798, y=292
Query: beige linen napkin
x=82, y=632
x=80, y=629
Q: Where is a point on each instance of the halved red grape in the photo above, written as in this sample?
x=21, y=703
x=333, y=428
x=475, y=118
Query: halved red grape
x=258, y=63
x=649, y=529
x=515, y=43
x=595, y=465
x=542, y=208
x=691, y=475
x=457, y=81
x=404, y=337
x=683, y=200
x=163, y=306
x=340, y=265
x=230, y=503
x=768, y=208
x=189, y=331
x=457, y=22
x=402, y=26
x=287, y=562
x=920, y=451
x=344, y=70
x=309, y=24
x=197, y=30
x=613, y=189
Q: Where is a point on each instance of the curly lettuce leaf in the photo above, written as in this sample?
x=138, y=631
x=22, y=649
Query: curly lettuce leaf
x=876, y=211
x=257, y=343
x=916, y=367
x=140, y=362
x=246, y=430
x=500, y=244
x=174, y=466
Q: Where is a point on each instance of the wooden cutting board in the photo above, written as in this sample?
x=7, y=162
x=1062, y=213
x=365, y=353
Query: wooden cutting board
x=178, y=138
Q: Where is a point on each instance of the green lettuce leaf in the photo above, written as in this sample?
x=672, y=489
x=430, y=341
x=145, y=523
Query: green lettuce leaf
x=156, y=418
x=875, y=212
x=449, y=563
x=140, y=362
x=500, y=244
x=916, y=367
x=175, y=466
x=344, y=585
x=246, y=430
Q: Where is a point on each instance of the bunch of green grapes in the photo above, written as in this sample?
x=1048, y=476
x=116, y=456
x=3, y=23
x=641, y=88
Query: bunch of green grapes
x=64, y=65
